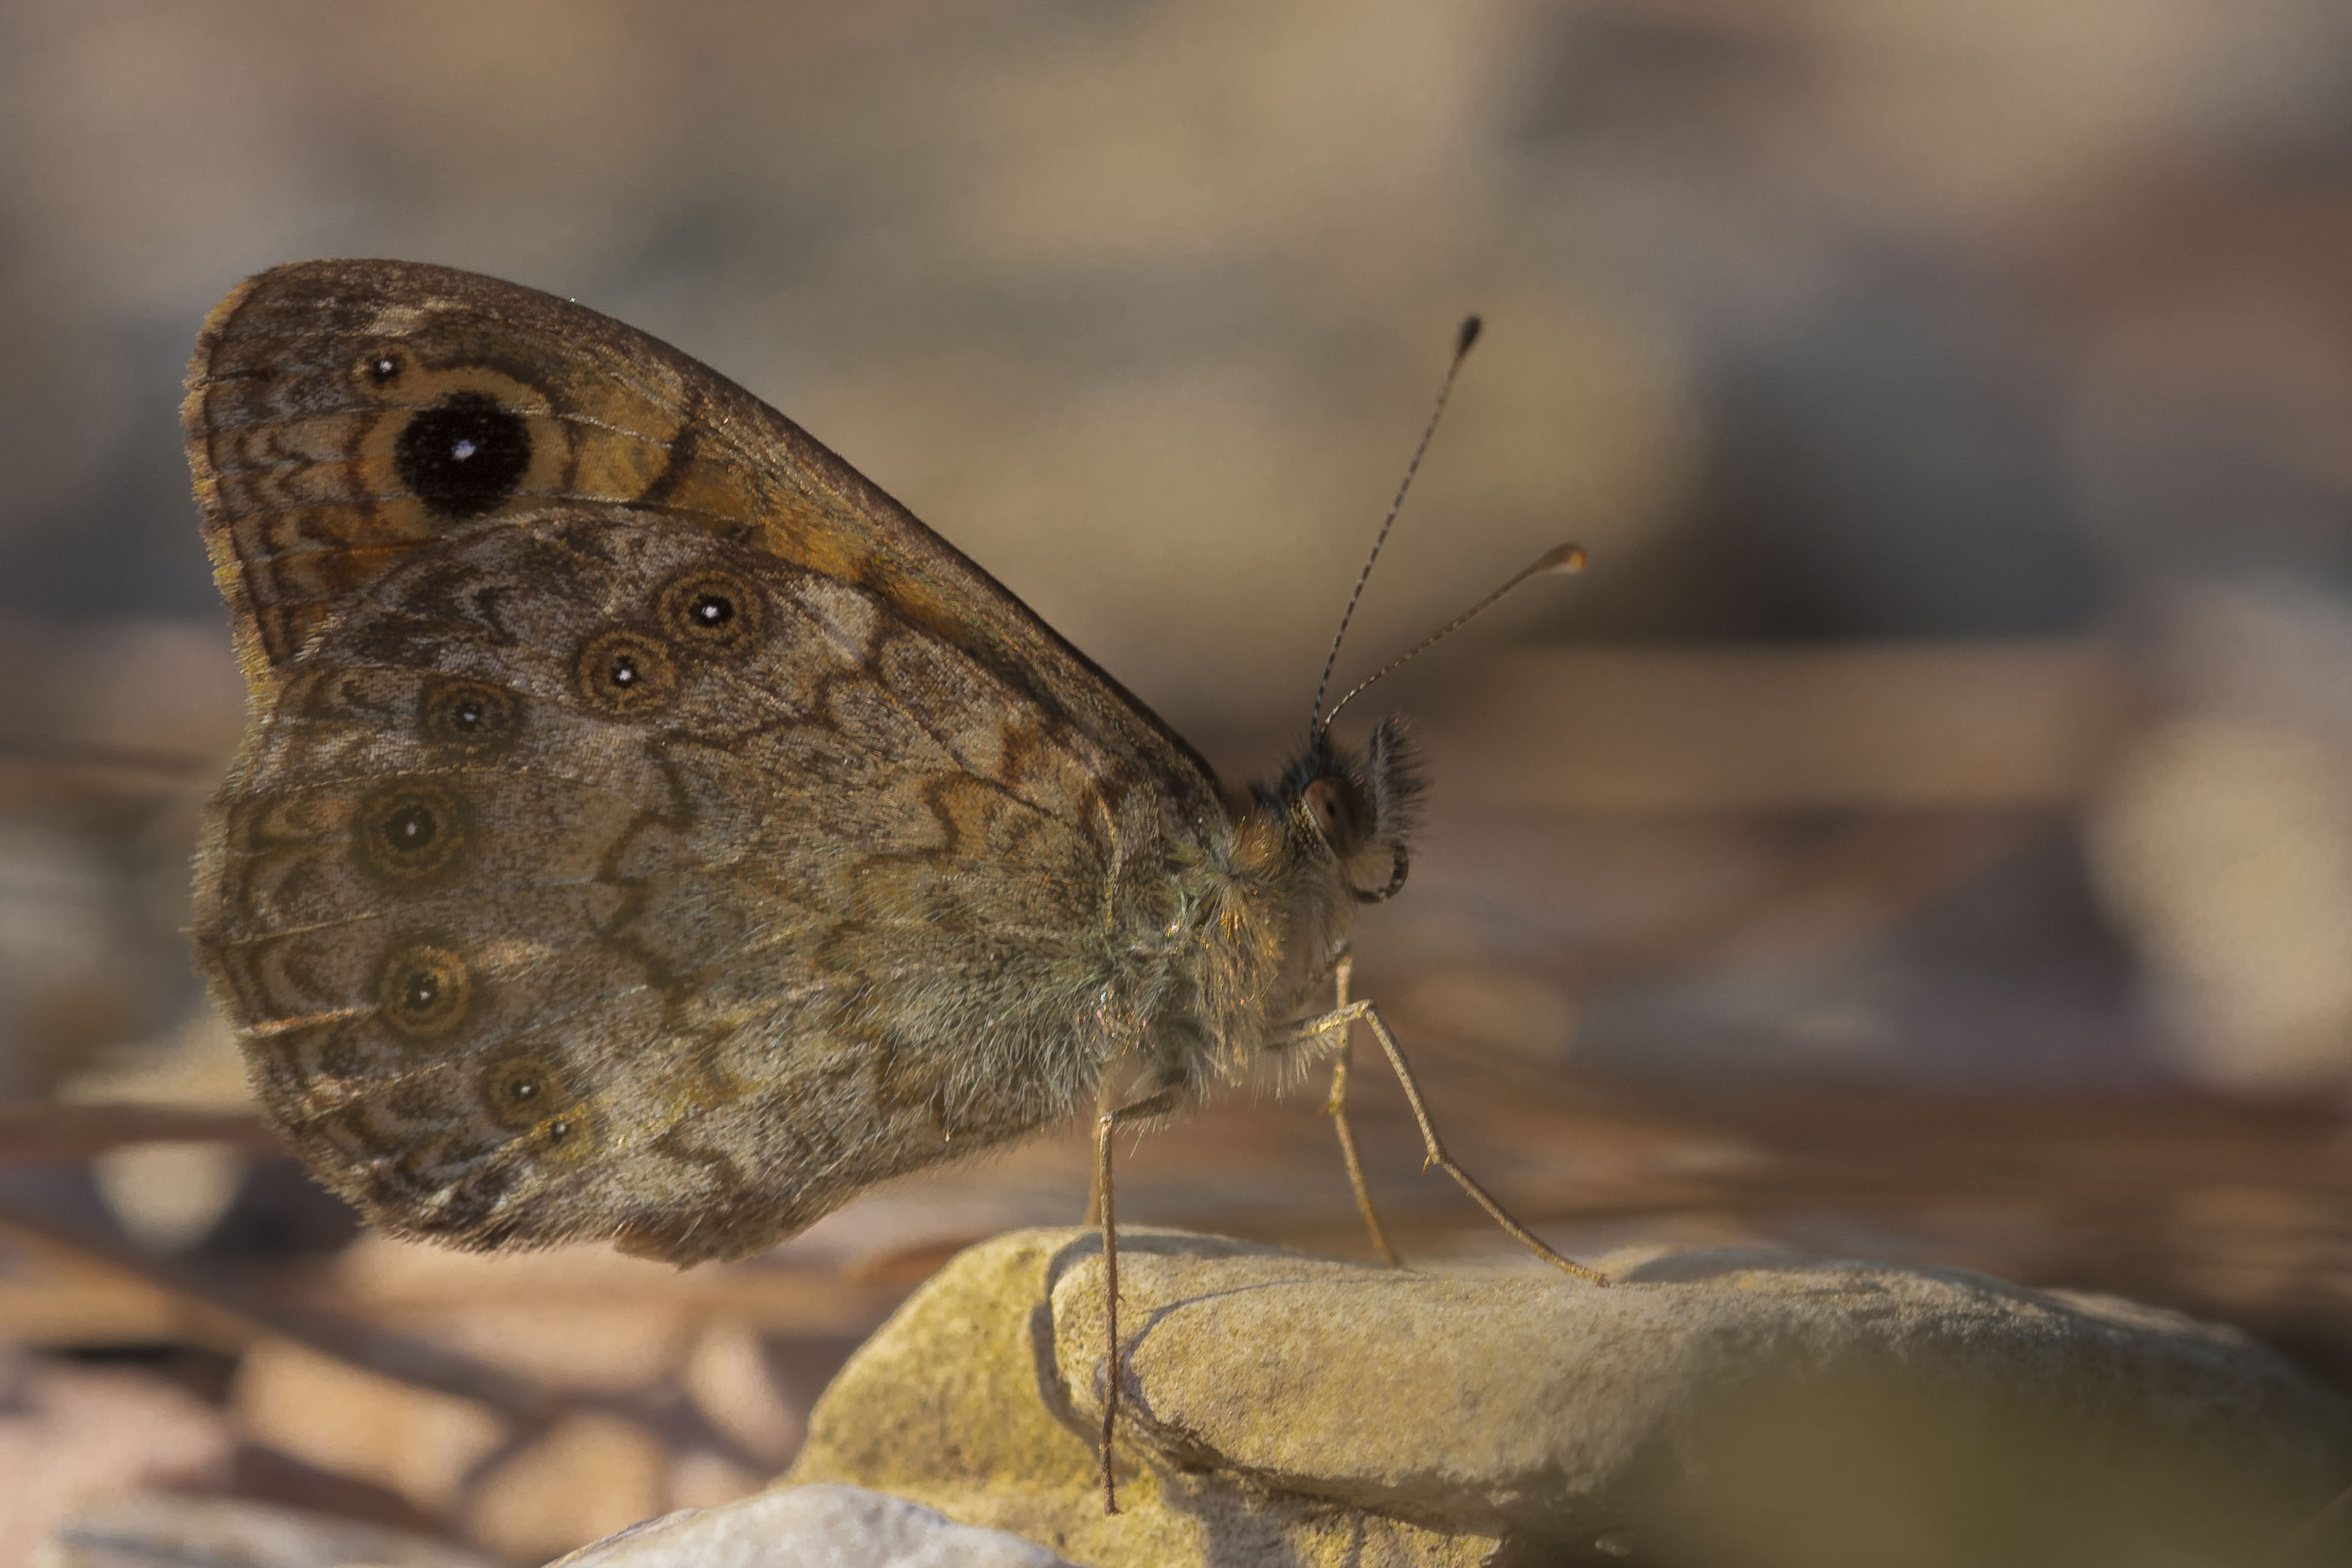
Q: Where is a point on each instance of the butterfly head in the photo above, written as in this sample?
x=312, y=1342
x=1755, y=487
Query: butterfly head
x=1352, y=811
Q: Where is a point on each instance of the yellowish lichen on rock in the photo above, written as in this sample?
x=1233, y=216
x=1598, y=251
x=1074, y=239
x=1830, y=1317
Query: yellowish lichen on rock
x=1718, y=1407
x=959, y=1403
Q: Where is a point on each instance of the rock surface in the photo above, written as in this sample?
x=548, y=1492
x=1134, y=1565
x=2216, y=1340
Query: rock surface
x=1713, y=1407
x=810, y=1527
x=163, y=1529
x=70, y=1434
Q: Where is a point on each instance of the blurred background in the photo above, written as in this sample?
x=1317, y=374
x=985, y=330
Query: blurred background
x=1925, y=831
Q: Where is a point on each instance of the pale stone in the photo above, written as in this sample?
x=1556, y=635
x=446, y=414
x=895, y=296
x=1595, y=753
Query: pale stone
x=701, y=1478
x=168, y=1196
x=578, y=1316
x=72, y=1434
x=164, y=1530
x=728, y=1376
x=589, y=1475
x=417, y=1442
x=1713, y=1406
x=811, y=1527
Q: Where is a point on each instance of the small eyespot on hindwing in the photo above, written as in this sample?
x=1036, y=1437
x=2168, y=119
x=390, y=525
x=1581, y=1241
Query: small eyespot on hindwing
x=469, y=717
x=424, y=990
x=625, y=673
x=409, y=830
x=520, y=1091
x=711, y=608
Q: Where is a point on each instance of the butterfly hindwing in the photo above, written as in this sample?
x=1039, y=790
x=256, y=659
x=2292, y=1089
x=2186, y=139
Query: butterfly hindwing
x=592, y=877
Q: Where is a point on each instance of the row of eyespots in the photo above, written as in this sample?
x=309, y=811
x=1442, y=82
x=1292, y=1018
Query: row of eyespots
x=424, y=991
x=703, y=612
x=408, y=832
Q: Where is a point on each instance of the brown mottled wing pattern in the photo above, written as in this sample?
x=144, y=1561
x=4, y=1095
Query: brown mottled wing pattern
x=522, y=950
x=639, y=835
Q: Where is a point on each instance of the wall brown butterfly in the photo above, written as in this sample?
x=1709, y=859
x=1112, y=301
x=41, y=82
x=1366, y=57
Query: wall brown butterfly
x=647, y=830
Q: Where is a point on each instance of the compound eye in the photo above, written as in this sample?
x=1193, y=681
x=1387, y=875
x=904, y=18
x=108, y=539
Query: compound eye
x=1327, y=801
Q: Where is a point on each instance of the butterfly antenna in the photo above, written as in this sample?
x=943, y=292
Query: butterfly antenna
x=1565, y=560
x=1315, y=723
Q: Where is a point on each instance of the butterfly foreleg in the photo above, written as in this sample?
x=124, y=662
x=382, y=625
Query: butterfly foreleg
x=1336, y=1106
x=1434, y=1147
x=1106, y=1206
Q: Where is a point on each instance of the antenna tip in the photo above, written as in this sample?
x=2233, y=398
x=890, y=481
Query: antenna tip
x=1567, y=561
x=1471, y=327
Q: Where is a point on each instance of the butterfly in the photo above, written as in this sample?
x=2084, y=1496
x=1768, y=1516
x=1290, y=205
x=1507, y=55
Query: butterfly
x=647, y=831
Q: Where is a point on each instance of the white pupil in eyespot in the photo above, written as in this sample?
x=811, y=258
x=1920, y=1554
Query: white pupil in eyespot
x=463, y=448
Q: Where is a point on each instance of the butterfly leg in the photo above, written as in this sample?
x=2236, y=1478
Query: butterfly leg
x=1109, y=1122
x=1336, y=1109
x=1435, y=1147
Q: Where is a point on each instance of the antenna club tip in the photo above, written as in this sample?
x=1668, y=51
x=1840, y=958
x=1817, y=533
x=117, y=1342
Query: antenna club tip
x=1567, y=560
x=1471, y=327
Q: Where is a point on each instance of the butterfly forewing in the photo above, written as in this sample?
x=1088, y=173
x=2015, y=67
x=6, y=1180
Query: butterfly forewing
x=343, y=413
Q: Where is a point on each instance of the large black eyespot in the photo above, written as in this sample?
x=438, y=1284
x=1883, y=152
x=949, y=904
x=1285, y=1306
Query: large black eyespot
x=410, y=830
x=625, y=673
x=711, y=610
x=424, y=990
x=463, y=456
x=469, y=716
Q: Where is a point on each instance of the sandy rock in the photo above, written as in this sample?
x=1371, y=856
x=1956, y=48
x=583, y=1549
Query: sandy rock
x=810, y=1527
x=1716, y=1407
